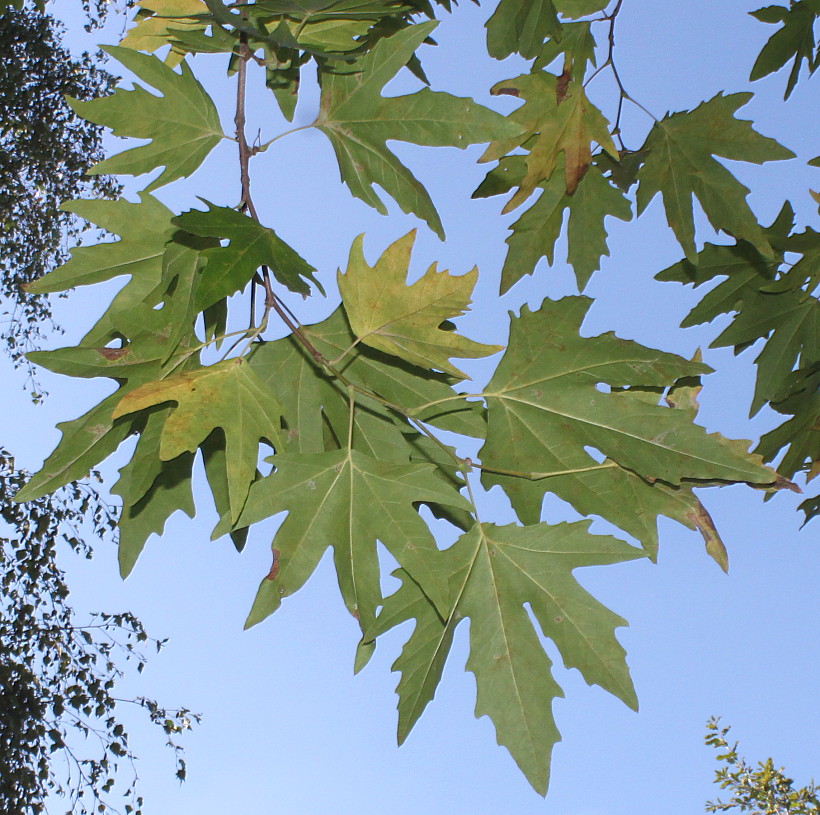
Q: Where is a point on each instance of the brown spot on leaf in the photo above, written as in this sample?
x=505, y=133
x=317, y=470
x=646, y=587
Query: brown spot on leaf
x=112, y=353
x=561, y=85
x=505, y=92
x=274, y=569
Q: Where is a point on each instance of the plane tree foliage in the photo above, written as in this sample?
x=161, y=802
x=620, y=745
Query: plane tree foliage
x=351, y=430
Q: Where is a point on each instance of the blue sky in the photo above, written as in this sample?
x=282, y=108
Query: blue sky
x=288, y=730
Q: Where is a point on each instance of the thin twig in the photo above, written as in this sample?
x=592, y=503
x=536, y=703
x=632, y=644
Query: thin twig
x=623, y=94
x=245, y=152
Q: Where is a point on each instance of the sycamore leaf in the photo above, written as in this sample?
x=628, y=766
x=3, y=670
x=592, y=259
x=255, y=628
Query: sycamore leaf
x=556, y=120
x=94, y=436
x=577, y=46
x=334, y=9
x=160, y=22
x=313, y=405
x=308, y=394
x=791, y=323
x=347, y=500
x=778, y=307
x=623, y=173
x=521, y=28
x=405, y=321
x=495, y=573
x=144, y=229
x=679, y=164
x=182, y=124
x=182, y=273
x=137, y=476
x=135, y=365
x=145, y=254
x=765, y=306
x=805, y=273
x=811, y=508
x=148, y=337
x=649, y=500
x=358, y=120
x=573, y=9
x=251, y=245
x=536, y=232
x=423, y=656
x=331, y=35
x=426, y=394
x=85, y=442
x=170, y=491
x=226, y=395
x=800, y=434
x=215, y=459
x=546, y=411
x=795, y=40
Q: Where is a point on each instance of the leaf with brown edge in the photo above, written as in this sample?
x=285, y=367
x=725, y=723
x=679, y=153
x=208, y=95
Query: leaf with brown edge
x=536, y=233
x=546, y=412
x=228, y=395
x=405, y=321
x=554, y=123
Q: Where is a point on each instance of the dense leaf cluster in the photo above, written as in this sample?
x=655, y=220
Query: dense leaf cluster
x=348, y=413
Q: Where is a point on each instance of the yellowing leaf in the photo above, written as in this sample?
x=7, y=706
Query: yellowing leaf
x=226, y=395
x=387, y=314
x=427, y=394
x=556, y=120
x=160, y=22
x=182, y=124
x=535, y=234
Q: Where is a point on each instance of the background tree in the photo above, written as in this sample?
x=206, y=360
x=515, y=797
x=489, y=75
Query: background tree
x=60, y=729
x=763, y=790
x=44, y=152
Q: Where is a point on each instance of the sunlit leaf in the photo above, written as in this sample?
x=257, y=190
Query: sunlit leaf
x=226, y=395
x=182, y=124
x=494, y=572
x=387, y=314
